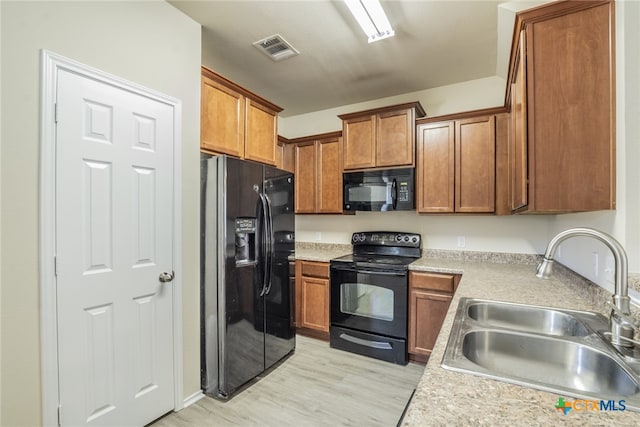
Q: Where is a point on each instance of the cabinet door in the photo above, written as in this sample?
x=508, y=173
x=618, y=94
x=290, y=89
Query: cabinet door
x=475, y=165
x=329, y=169
x=279, y=155
x=288, y=157
x=222, y=119
x=359, y=142
x=305, y=178
x=261, y=133
x=315, y=303
x=435, y=180
x=427, y=311
x=285, y=156
x=571, y=111
x=395, y=138
x=518, y=140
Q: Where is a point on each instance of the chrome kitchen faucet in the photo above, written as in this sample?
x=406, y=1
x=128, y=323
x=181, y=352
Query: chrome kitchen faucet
x=621, y=324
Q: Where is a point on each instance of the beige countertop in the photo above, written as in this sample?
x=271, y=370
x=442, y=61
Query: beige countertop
x=321, y=252
x=450, y=398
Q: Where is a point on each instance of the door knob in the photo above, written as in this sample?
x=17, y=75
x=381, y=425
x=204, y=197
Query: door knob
x=166, y=277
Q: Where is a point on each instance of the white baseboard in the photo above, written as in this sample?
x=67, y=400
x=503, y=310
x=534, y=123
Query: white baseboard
x=193, y=398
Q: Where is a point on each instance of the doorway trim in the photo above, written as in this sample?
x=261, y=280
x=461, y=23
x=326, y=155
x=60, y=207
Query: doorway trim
x=51, y=64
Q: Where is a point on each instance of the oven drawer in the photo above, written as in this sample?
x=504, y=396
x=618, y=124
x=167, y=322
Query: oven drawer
x=384, y=348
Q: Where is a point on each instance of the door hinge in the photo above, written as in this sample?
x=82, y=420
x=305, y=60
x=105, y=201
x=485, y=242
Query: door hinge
x=55, y=266
x=55, y=112
x=59, y=415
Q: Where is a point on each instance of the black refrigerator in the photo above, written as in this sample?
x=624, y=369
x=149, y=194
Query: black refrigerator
x=247, y=303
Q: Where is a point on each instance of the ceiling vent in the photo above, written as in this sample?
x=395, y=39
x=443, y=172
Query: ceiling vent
x=276, y=47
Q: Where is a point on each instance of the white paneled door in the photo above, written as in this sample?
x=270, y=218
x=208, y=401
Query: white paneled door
x=114, y=238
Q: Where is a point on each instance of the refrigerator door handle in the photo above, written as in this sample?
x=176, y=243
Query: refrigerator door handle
x=264, y=244
x=270, y=245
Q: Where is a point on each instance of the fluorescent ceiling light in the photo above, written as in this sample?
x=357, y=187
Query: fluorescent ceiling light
x=372, y=19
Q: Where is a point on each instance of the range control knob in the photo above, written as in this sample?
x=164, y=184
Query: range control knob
x=398, y=237
x=414, y=239
x=406, y=238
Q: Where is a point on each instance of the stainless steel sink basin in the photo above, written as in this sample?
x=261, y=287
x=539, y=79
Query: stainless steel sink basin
x=528, y=318
x=546, y=348
x=548, y=361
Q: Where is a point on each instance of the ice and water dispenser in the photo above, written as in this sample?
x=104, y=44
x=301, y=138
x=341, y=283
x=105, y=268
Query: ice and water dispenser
x=245, y=241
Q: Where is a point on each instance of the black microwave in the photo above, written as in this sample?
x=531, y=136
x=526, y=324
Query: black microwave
x=379, y=190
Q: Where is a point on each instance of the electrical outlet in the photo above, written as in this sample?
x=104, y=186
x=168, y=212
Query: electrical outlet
x=609, y=269
x=461, y=242
x=318, y=236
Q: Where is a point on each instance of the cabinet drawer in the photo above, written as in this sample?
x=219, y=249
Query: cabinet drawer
x=433, y=281
x=315, y=269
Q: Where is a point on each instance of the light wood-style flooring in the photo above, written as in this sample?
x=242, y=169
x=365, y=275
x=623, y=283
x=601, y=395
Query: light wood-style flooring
x=316, y=386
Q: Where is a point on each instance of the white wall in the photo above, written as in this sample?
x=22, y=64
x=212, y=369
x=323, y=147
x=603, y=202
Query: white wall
x=471, y=95
x=513, y=234
x=623, y=224
x=150, y=43
x=519, y=234
x=522, y=233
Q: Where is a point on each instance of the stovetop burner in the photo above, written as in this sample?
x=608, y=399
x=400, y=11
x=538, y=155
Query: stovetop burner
x=382, y=249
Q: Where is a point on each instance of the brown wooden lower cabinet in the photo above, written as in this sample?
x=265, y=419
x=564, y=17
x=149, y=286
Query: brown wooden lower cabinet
x=312, y=298
x=430, y=295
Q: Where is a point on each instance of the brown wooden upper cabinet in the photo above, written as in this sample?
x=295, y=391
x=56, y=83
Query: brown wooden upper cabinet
x=380, y=138
x=456, y=166
x=318, y=173
x=518, y=137
x=235, y=121
x=562, y=96
x=285, y=155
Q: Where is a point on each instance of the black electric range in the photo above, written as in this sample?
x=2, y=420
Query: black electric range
x=369, y=295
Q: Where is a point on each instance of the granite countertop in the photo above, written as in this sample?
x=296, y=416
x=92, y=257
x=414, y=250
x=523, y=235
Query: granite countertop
x=321, y=252
x=450, y=398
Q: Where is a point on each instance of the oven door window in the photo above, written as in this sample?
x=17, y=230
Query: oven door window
x=369, y=301
x=361, y=299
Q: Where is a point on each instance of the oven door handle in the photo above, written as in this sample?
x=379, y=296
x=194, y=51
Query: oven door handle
x=382, y=273
x=365, y=271
x=342, y=268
